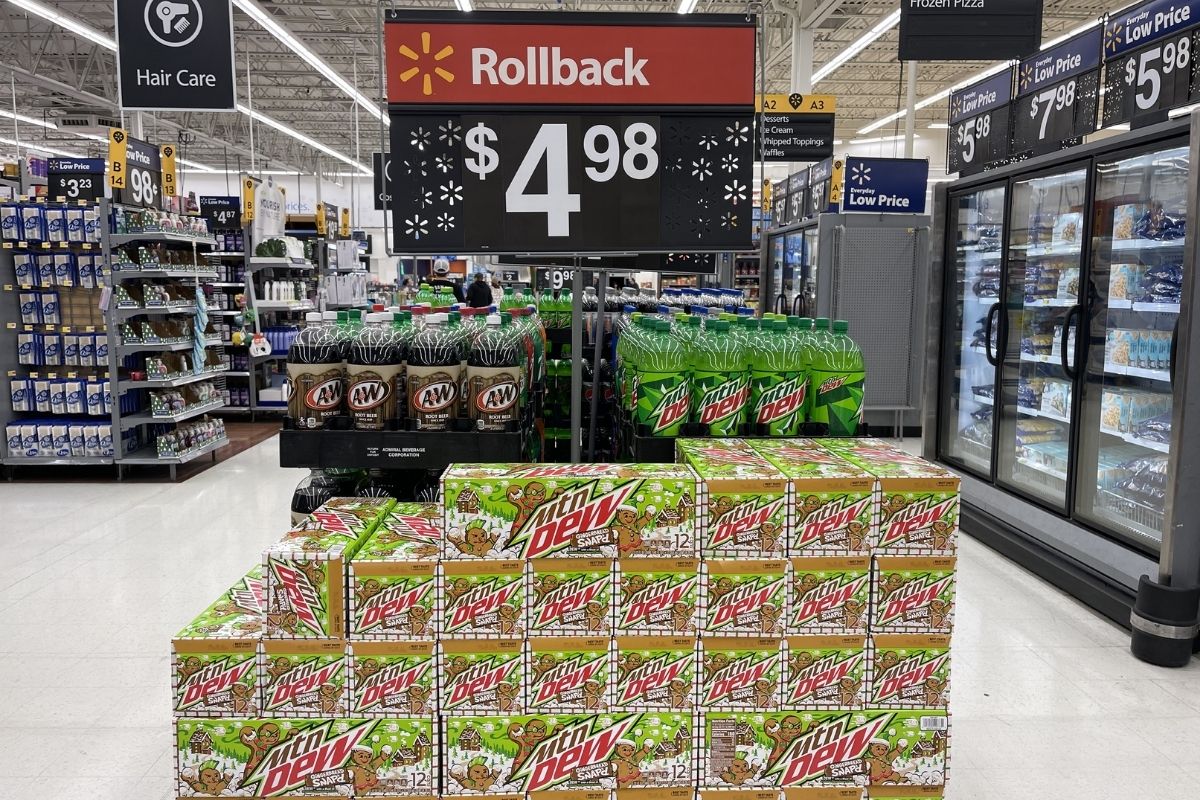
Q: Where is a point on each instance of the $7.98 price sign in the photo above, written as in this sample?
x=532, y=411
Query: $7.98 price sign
x=1152, y=79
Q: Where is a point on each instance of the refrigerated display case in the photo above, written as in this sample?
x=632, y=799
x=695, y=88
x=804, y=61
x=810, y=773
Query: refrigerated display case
x=1058, y=299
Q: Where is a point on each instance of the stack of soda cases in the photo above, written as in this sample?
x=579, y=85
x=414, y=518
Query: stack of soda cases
x=270, y=700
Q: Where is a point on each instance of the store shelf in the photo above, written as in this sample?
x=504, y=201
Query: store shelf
x=223, y=312
x=170, y=383
x=270, y=262
x=1040, y=359
x=269, y=357
x=228, y=284
x=56, y=461
x=1053, y=473
x=1052, y=302
x=1138, y=372
x=126, y=313
x=236, y=374
x=145, y=418
x=1161, y=447
x=128, y=274
x=274, y=305
x=982, y=400
x=1149, y=308
x=119, y=239
x=1037, y=412
x=395, y=449
x=1047, y=250
x=149, y=455
x=1145, y=244
x=163, y=347
x=225, y=254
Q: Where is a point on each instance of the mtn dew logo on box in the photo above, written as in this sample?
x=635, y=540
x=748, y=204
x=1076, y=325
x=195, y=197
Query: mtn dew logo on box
x=571, y=675
x=825, y=672
x=274, y=757
x=215, y=677
x=655, y=672
x=912, y=594
x=303, y=678
x=570, y=596
x=391, y=678
x=483, y=599
x=480, y=676
x=658, y=595
x=577, y=510
x=392, y=599
x=409, y=532
x=744, y=597
x=531, y=753
x=740, y=673
x=829, y=594
x=909, y=671
x=747, y=498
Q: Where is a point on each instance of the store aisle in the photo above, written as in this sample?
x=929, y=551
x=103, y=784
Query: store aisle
x=96, y=578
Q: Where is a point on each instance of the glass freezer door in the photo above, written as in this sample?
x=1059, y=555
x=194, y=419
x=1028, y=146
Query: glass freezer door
x=1140, y=216
x=804, y=303
x=1046, y=231
x=973, y=306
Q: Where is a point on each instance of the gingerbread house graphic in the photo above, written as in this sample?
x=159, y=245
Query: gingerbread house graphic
x=467, y=502
x=200, y=743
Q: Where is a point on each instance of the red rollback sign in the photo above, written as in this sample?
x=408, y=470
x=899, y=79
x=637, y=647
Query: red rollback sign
x=510, y=58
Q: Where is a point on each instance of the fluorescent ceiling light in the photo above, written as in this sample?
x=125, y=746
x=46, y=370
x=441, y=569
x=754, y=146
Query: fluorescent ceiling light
x=300, y=137
x=687, y=6
x=857, y=46
x=939, y=126
x=41, y=123
x=879, y=139
x=1179, y=112
x=41, y=148
x=266, y=21
x=463, y=5
x=197, y=167
x=65, y=21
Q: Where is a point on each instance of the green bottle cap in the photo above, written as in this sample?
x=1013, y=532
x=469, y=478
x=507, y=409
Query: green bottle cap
x=793, y=321
x=822, y=323
x=508, y=290
x=720, y=325
x=342, y=317
x=841, y=326
x=806, y=323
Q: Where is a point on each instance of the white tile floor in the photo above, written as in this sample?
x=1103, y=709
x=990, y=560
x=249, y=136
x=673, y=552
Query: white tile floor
x=95, y=578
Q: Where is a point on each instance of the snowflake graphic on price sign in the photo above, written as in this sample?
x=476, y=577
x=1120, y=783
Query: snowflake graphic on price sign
x=535, y=136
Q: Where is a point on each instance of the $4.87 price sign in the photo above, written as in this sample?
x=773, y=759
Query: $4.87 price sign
x=1152, y=79
x=570, y=183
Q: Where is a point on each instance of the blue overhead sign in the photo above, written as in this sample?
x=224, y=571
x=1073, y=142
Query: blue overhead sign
x=886, y=185
x=1134, y=27
x=94, y=166
x=1072, y=57
x=988, y=94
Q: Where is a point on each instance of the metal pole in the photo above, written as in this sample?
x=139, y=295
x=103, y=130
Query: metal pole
x=354, y=175
x=138, y=127
x=598, y=327
x=383, y=149
x=576, y=360
x=762, y=166
x=250, y=104
x=12, y=82
x=910, y=117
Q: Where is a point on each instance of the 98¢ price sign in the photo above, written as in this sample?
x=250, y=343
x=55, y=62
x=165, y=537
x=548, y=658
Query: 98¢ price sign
x=137, y=179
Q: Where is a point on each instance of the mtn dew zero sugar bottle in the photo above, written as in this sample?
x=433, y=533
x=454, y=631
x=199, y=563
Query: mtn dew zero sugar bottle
x=720, y=387
x=663, y=390
x=838, y=380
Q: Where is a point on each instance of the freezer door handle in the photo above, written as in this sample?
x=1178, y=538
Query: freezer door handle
x=1174, y=349
x=988, y=324
x=781, y=304
x=1073, y=314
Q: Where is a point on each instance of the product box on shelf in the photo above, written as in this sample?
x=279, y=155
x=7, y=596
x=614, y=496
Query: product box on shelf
x=909, y=671
x=408, y=532
x=481, y=676
x=825, y=672
x=568, y=674
x=305, y=571
x=657, y=672
x=482, y=599
x=499, y=754
x=391, y=599
x=334, y=757
x=740, y=673
x=744, y=597
x=832, y=503
x=391, y=678
x=912, y=594
x=867, y=748
x=570, y=596
x=576, y=510
x=746, y=495
x=658, y=595
x=829, y=594
x=303, y=677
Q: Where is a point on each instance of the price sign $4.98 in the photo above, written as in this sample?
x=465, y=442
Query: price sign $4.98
x=608, y=152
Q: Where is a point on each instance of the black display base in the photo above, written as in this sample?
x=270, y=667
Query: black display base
x=396, y=449
x=1164, y=622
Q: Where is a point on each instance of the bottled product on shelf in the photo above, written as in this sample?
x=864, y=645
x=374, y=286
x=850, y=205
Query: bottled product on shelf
x=720, y=385
x=779, y=381
x=316, y=373
x=838, y=377
x=434, y=375
x=375, y=377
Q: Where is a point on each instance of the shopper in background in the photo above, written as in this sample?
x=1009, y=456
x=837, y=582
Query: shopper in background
x=497, y=291
x=479, y=294
x=441, y=273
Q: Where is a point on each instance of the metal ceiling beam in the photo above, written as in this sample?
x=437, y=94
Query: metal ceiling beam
x=822, y=12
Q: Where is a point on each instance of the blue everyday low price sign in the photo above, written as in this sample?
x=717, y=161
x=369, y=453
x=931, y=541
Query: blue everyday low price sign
x=886, y=185
x=1146, y=23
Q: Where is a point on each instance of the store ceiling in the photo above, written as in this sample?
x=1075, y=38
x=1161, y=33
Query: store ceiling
x=57, y=72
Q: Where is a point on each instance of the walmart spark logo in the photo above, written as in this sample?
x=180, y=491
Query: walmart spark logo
x=860, y=174
x=426, y=74
x=1113, y=37
x=1026, y=76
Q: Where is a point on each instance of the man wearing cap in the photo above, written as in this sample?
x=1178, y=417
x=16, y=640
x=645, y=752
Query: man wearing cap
x=441, y=271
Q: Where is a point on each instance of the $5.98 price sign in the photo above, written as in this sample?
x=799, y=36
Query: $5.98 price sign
x=567, y=183
x=978, y=141
x=1152, y=79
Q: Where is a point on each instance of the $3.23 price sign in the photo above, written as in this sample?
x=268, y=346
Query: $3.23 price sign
x=565, y=183
x=1155, y=78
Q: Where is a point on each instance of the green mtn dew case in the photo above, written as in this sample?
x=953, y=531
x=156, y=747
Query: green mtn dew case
x=568, y=674
x=909, y=671
x=392, y=677
x=825, y=672
x=663, y=391
x=655, y=672
x=740, y=673
x=838, y=378
x=720, y=385
x=778, y=381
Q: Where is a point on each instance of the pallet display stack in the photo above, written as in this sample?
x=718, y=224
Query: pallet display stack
x=763, y=615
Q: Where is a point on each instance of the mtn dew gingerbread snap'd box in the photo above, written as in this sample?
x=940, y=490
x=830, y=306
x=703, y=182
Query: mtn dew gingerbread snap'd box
x=829, y=594
x=481, y=676
x=658, y=595
x=391, y=678
x=746, y=495
x=334, y=757
x=408, y=532
x=909, y=671
x=825, y=748
x=570, y=596
x=918, y=501
x=825, y=672
x=655, y=672
x=392, y=599
x=215, y=674
x=568, y=674
x=575, y=510
x=912, y=594
x=483, y=599
x=832, y=506
x=303, y=678
x=907, y=792
x=500, y=754
x=740, y=673
x=744, y=597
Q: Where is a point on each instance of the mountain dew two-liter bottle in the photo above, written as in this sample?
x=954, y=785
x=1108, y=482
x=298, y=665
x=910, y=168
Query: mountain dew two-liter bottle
x=778, y=381
x=720, y=386
x=838, y=382
x=663, y=393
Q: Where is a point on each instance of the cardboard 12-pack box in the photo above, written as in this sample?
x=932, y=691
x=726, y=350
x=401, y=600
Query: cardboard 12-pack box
x=482, y=599
x=829, y=594
x=656, y=672
x=823, y=672
x=568, y=674
x=740, y=673
x=658, y=595
x=391, y=678
x=909, y=671
x=303, y=677
x=912, y=594
x=570, y=597
x=481, y=676
x=744, y=597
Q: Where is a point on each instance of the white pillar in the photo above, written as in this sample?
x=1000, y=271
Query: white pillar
x=802, y=49
x=910, y=117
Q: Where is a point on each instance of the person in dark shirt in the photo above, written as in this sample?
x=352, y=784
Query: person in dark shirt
x=479, y=294
x=441, y=271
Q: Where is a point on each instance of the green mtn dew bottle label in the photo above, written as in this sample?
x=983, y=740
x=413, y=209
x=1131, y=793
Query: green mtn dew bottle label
x=838, y=380
x=720, y=385
x=663, y=390
x=778, y=381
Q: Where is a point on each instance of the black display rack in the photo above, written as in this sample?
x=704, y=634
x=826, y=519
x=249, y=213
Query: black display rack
x=325, y=449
